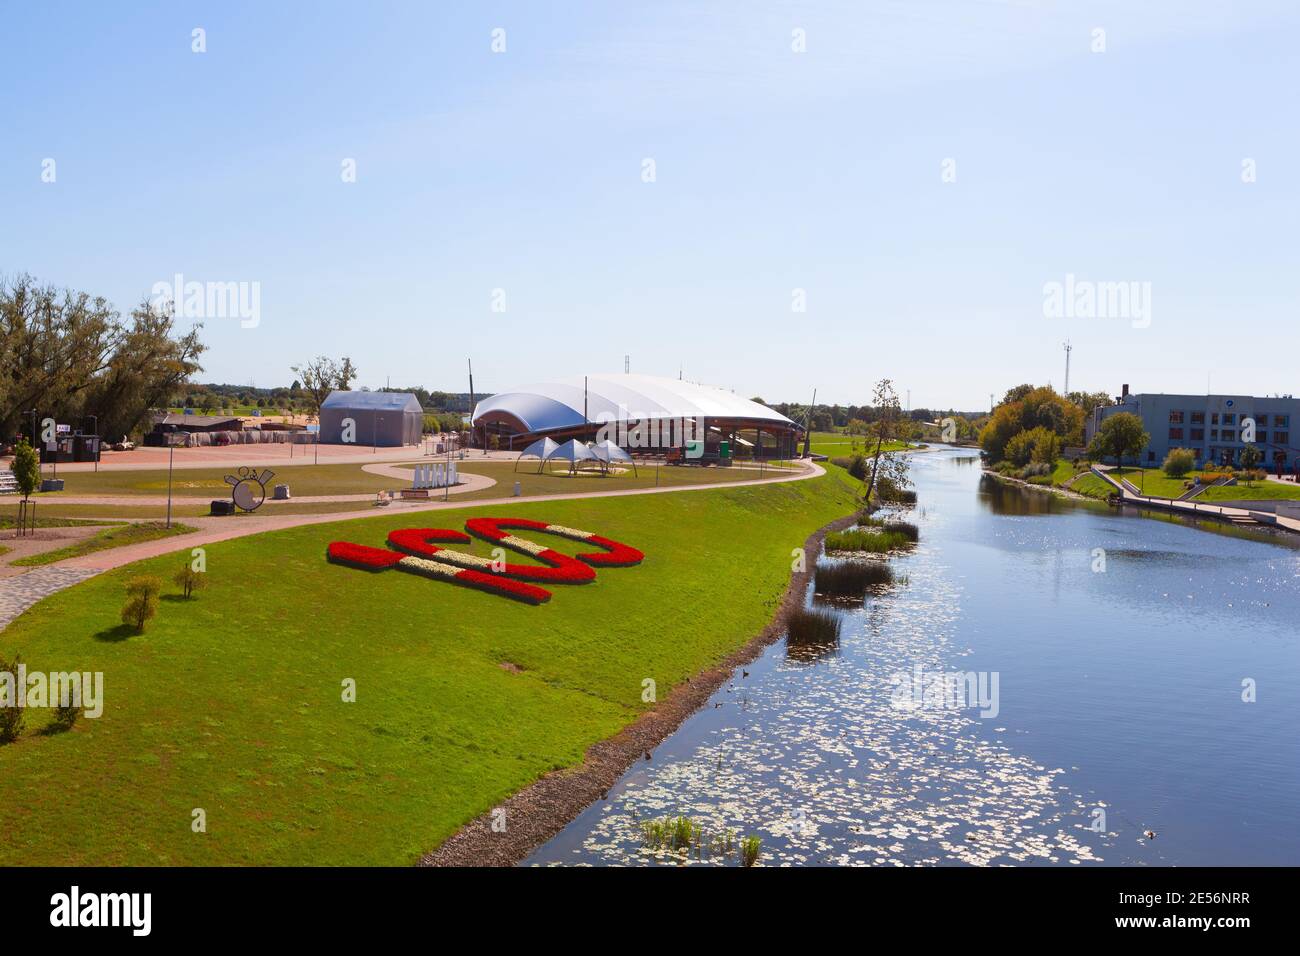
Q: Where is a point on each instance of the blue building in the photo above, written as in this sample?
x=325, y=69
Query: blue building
x=1212, y=426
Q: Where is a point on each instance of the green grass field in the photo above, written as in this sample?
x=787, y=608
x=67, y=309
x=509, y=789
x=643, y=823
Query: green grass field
x=118, y=536
x=1156, y=483
x=208, y=483
x=231, y=702
x=838, y=444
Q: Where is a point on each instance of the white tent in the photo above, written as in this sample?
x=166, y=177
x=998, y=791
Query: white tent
x=572, y=451
x=606, y=452
x=542, y=448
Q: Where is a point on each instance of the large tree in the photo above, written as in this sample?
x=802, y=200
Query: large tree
x=323, y=375
x=1119, y=436
x=67, y=355
x=890, y=426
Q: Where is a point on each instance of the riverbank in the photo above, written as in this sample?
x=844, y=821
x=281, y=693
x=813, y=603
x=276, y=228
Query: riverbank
x=232, y=700
x=537, y=813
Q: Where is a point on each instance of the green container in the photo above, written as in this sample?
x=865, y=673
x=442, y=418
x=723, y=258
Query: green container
x=724, y=449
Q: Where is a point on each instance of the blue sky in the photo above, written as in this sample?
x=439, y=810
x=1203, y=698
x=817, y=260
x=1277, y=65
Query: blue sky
x=774, y=171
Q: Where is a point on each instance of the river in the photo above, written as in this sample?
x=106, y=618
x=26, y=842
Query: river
x=1122, y=647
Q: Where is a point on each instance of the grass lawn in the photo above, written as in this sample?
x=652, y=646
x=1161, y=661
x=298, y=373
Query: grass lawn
x=232, y=701
x=44, y=519
x=1162, y=486
x=837, y=444
x=1093, y=487
x=208, y=483
x=4, y=549
x=118, y=536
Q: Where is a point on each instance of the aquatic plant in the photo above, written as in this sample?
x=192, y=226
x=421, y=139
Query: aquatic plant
x=749, y=850
x=812, y=626
x=850, y=578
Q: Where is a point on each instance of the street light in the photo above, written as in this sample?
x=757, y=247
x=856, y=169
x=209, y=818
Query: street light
x=97, y=442
x=171, y=455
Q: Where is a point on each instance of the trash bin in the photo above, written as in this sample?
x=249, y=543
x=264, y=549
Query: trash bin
x=51, y=484
x=222, y=506
x=281, y=493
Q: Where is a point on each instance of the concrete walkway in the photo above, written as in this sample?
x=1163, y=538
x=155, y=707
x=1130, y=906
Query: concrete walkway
x=19, y=593
x=1241, y=516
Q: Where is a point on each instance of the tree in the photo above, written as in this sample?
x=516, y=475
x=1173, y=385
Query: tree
x=321, y=376
x=1178, y=462
x=26, y=467
x=12, y=714
x=887, y=428
x=141, y=601
x=1251, y=456
x=1119, y=435
x=189, y=580
x=69, y=355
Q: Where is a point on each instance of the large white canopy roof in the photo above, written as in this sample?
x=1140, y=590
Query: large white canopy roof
x=549, y=406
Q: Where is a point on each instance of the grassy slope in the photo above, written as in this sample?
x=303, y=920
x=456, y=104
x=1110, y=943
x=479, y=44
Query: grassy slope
x=118, y=536
x=231, y=702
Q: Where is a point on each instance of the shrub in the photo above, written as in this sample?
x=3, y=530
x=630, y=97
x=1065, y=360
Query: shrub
x=850, y=578
x=1179, y=462
x=189, y=580
x=141, y=601
x=889, y=490
x=813, y=626
x=1040, y=480
x=12, y=716
x=65, y=717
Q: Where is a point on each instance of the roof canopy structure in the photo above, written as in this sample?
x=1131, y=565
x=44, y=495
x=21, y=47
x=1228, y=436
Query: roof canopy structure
x=604, y=405
x=572, y=451
x=542, y=448
x=607, y=452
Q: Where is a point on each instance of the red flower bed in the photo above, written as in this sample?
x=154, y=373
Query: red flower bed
x=360, y=556
x=620, y=555
x=559, y=568
x=414, y=551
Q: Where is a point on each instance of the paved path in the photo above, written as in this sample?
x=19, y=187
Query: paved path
x=19, y=593
x=1192, y=507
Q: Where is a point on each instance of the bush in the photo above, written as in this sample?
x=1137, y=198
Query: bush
x=1179, y=462
x=141, y=601
x=13, y=716
x=65, y=717
x=189, y=580
x=890, y=491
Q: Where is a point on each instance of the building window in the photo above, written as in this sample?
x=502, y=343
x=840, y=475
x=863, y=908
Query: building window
x=1214, y=418
x=1229, y=418
x=1282, y=421
x=1261, y=437
x=1214, y=434
x=1175, y=417
x=1198, y=434
x=1228, y=435
x=1175, y=434
x=1151, y=456
x=1198, y=418
x=1281, y=438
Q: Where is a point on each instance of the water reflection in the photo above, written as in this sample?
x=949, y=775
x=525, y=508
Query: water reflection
x=1121, y=705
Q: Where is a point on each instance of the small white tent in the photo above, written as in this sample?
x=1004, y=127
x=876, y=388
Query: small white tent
x=542, y=449
x=572, y=451
x=607, y=452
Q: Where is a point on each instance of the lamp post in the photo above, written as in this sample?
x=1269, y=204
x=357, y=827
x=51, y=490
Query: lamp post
x=96, y=433
x=171, y=455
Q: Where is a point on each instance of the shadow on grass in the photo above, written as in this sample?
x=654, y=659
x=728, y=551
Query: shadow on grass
x=114, y=635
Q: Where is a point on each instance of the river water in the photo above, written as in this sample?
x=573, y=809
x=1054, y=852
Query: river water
x=1122, y=647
